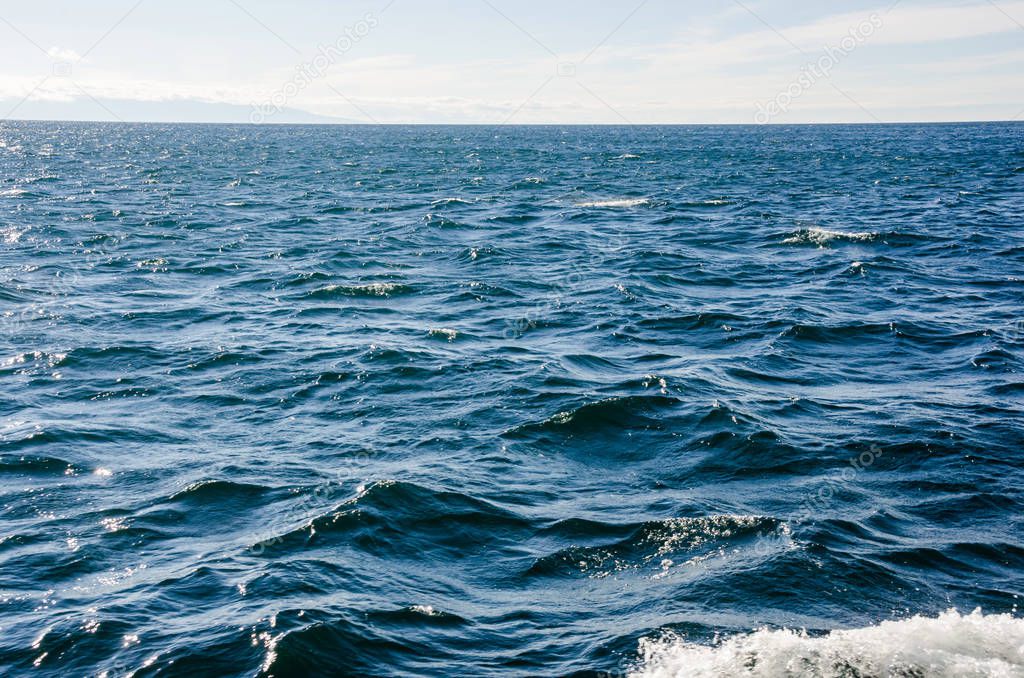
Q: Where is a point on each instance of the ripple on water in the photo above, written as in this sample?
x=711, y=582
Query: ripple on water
x=304, y=400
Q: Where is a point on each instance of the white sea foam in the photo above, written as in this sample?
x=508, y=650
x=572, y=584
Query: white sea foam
x=823, y=236
x=450, y=201
x=370, y=289
x=622, y=202
x=427, y=610
x=445, y=333
x=378, y=289
x=950, y=646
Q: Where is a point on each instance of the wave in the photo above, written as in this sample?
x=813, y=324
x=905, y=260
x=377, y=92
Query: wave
x=933, y=335
x=387, y=517
x=450, y=201
x=417, y=614
x=822, y=237
x=657, y=545
x=444, y=333
x=693, y=322
x=619, y=202
x=206, y=492
x=33, y=465
x=949, y=646
x=368, y=290
x=528, y=182
x=630, y=412
x=695, y=203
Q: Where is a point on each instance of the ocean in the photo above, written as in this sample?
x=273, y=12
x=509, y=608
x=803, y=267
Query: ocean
x=511, y=401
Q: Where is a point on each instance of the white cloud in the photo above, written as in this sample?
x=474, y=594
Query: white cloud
x=692, y=76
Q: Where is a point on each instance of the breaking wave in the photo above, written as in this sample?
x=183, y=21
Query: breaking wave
x=952, y=645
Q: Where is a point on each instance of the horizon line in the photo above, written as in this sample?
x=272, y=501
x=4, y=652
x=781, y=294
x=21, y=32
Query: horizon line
x=872, y=123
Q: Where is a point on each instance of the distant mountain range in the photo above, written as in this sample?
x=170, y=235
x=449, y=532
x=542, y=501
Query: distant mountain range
x=180, y=110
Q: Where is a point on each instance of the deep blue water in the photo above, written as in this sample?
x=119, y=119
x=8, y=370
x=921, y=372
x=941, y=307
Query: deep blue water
x=479, y=401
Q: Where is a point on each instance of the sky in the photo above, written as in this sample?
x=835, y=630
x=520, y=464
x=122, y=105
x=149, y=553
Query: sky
x=512, y=61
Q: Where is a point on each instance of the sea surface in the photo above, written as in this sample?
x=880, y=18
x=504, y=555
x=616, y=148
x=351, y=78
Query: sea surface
x=511, y=401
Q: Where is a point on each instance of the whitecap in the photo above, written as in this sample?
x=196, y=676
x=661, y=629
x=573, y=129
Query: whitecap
x=371, y=289
x=823, y=236
x=450, y=201
x=949, y=646
x=367, y=290
x=445, y=333
x=620, y=202
x=426, y=610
